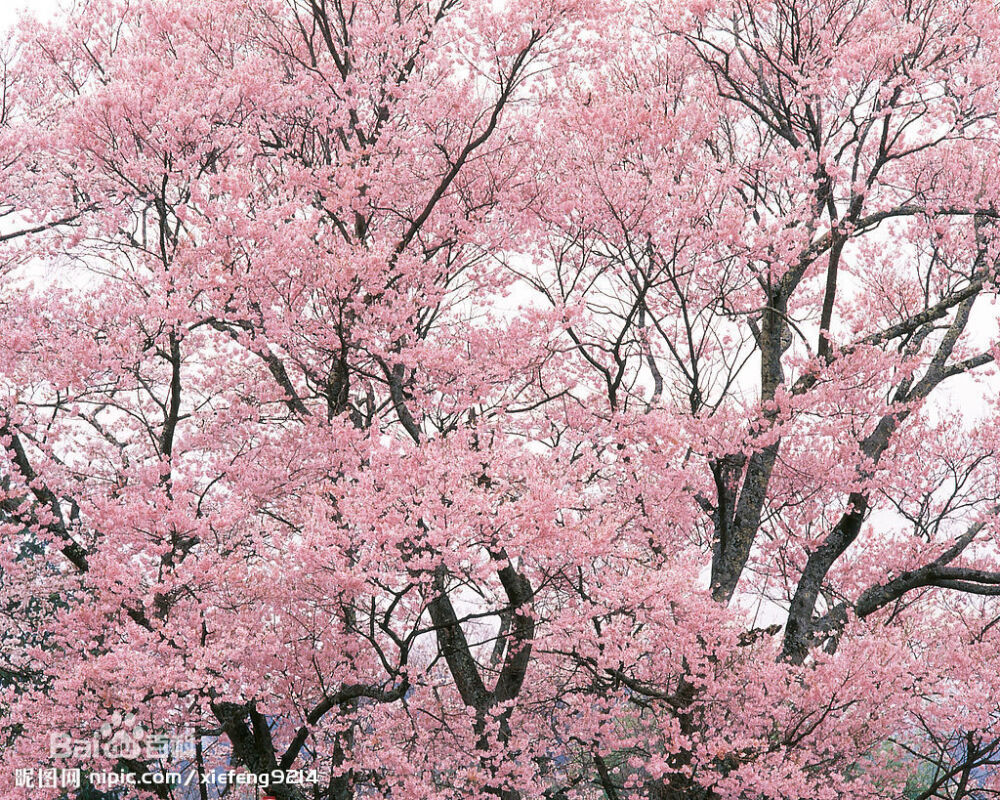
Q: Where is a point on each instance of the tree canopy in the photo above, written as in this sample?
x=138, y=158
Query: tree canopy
x=535, y=400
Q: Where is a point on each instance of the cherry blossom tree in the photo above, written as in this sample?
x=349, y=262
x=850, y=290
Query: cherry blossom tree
x=518, y=400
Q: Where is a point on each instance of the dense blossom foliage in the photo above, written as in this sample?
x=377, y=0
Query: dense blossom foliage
x=526, y=400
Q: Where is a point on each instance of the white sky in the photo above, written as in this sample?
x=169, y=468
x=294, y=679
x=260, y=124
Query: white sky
x=10, y=9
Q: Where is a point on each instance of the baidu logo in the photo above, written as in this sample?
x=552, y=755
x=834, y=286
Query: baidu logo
x=121, y=736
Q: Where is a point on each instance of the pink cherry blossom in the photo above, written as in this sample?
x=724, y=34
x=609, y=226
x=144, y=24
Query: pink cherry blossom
x=530, y=400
